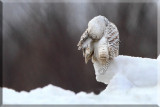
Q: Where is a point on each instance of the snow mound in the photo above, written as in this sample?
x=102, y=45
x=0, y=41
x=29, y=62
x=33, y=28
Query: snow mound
x=54, y=95
x=119, y=91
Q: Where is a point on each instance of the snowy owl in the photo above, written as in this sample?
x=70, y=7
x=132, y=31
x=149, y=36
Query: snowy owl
x=100, y=41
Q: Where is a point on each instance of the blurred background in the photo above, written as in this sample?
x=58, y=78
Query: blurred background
x=40, y=41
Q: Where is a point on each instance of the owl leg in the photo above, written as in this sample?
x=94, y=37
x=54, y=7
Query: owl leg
x=103, y=52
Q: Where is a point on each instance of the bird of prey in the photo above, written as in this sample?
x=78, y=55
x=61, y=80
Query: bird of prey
x=99, y=28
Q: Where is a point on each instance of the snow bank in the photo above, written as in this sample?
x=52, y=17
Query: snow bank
x=158, y=80
x=55, y=95
x=141, y=72
x=111, y=95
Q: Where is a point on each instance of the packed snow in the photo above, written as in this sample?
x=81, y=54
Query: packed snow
x=111, y=95
x=55, y=95
x=133, y=71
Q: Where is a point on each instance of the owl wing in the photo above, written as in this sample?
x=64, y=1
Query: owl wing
x=82, y=40
x=86, y=45
x=112, y=36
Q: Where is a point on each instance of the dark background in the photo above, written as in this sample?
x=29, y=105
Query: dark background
x=1, y=43
x=40, y=41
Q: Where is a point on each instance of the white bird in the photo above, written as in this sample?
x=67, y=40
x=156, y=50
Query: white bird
x=100, y=29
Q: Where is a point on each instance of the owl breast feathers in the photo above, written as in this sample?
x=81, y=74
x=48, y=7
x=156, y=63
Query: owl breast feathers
x=100, y=28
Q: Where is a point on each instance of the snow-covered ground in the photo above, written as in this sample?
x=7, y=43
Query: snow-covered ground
x=56, y=95
x=111, y=95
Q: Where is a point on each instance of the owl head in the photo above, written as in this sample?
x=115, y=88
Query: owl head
x=96, y=27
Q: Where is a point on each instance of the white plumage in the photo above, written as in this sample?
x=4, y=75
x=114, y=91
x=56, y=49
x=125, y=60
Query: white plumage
x=100, y=41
